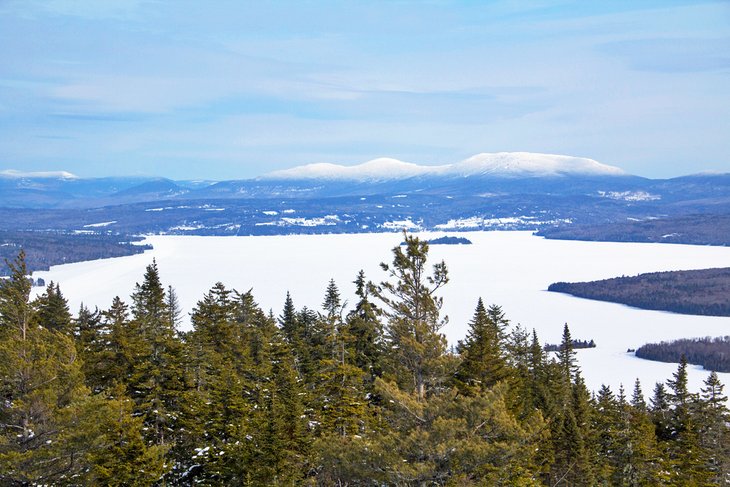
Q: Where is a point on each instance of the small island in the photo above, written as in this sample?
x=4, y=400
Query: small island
x=577, y=344
x=445, y=240
x=696, y=292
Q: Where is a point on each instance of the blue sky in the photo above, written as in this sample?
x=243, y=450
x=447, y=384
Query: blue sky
x=232, y=89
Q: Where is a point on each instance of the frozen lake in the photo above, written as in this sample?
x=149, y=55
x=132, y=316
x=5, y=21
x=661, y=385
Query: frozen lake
x=512, y=269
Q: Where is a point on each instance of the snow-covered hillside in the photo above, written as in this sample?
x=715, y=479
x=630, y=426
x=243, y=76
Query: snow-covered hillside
x=500, y=164
x=15, y=174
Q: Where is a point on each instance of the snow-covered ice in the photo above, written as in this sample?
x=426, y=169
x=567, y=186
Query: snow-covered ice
x=512, y=269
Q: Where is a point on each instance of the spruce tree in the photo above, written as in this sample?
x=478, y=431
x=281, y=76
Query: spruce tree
x=156, y=376
x=566, y=355
x=712, y=422
x=634, y=459
x=52, y=310
x=686, y=460
x=365, y=332
x=332, y=304
x=482, y=361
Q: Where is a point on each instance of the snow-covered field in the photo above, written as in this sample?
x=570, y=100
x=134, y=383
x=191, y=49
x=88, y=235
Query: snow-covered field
x=512, y=269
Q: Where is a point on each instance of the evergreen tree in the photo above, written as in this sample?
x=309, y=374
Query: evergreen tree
x=365, y=332
x=566, y=355
x=607, y=425
x=288, y=321
x=660, y=412
x=637, y=397
x=713, y=419
x=283, y=445
x=40, y=378
x=416, y=346
x=685, y=459
x=108, y=439
x=91, y=344
x=52, y=310
x=116, y=349
x=173, y=312
x=482, y=362
x=156, y=376
x=332, y=304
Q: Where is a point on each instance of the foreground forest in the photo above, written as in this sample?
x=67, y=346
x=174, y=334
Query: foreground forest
x=366, y=396
x=696, y=292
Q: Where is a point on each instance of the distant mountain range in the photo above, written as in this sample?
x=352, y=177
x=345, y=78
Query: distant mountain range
x=487, y=191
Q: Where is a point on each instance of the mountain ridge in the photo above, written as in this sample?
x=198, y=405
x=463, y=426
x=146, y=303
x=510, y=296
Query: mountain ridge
x=498, y=164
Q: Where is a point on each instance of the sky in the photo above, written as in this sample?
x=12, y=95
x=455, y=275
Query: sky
x=228, y=89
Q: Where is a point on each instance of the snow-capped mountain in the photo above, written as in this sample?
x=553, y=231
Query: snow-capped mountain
x=381, y=169
x=498, y=165
x=15, y=174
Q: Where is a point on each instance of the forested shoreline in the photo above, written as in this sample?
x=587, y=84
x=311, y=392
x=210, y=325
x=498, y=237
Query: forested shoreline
x=369, y=395
x=710, y=353
x=46, y=248
x=697, y=292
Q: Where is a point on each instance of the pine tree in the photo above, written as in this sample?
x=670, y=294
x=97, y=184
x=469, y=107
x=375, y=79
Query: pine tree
x=416, y=346
x=40, y=378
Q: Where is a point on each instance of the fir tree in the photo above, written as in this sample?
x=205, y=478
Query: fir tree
x=566, y=355
x=52, y=310
x=173, y=312
x=365, y=332
x=637, y=397
x=482, y=363
x=156, y=376
x=713, y=418
x=332, y=304
x=684, y=456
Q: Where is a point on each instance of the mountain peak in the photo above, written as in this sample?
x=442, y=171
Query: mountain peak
x=380, y=169
x=13, y=173
x=532, y=164
x=500, y=164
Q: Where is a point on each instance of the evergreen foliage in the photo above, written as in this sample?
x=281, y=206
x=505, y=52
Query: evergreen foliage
x=369, y=396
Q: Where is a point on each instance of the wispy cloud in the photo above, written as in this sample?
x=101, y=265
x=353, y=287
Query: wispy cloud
x=232, y=87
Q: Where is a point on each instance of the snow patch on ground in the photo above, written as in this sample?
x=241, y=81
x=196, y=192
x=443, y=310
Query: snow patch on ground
x=504, y=223
x=100, y=225
x=406, y=224
x=629, y=195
